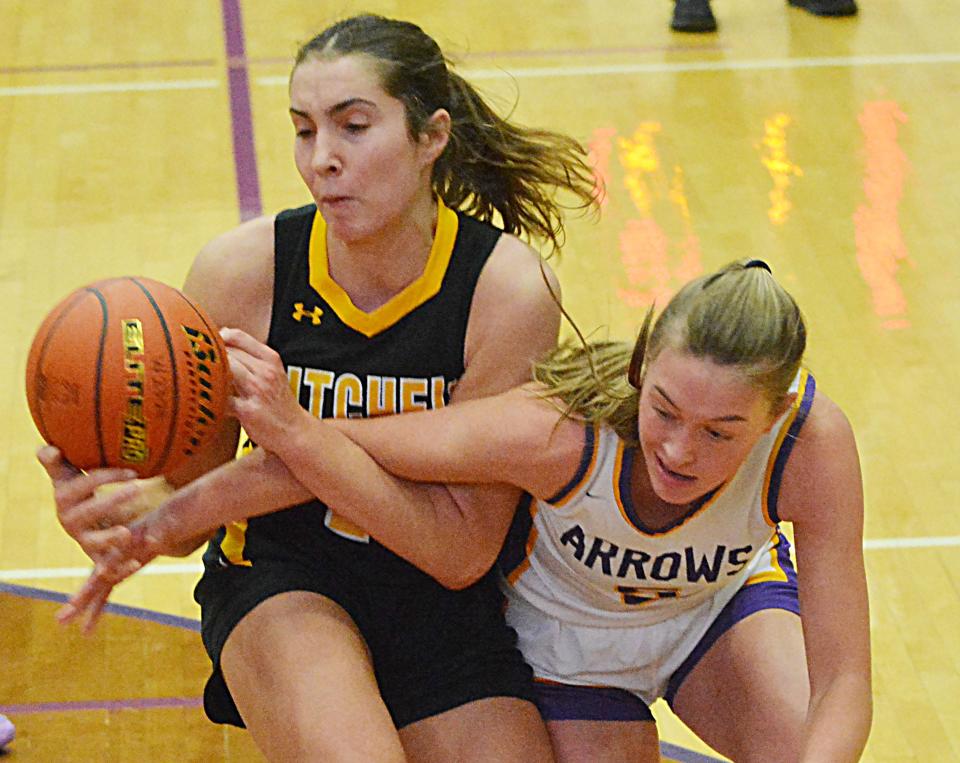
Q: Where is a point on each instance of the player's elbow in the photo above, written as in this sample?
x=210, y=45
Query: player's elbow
x=457, y=582
x=469, y=569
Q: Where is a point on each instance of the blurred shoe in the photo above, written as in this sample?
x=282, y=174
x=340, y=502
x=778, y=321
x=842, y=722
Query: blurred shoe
x=693, y=16
x=827, y=7
x=7, y=731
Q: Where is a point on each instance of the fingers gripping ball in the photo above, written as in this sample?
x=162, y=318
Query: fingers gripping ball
x=127, y=372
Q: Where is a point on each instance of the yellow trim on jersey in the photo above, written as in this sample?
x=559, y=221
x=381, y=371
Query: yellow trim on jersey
x=775, y=450
x=233, y=543
x=587, y=474
x=344, y=527
x=235, y=540
x=776, y=574
x=411, y=297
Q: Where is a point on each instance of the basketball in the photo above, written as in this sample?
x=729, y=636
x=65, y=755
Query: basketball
x=127, y=372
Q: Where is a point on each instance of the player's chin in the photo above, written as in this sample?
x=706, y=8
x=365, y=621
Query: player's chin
x=674, y=488
x=676, y=497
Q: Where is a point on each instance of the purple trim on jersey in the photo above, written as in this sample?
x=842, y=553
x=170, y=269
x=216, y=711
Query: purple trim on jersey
x=784, y=558
x=565, y=702
x=626, y=499
x=776, y=475
x=514, y=550
x=585, y=459
x=771, y=594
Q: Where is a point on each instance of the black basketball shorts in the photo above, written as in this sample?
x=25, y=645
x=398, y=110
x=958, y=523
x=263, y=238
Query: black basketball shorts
x=433, y=649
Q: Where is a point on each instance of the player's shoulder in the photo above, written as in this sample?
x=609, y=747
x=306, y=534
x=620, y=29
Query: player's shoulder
x=241, y=255
x=253, y=238
x=826, y=425
x=825, y=444
x=516, y=304
x=516, y=277
x=232, y=276
x=823, y=463
x=543, y=434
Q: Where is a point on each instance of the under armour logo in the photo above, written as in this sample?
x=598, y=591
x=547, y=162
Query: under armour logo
x=299, y=313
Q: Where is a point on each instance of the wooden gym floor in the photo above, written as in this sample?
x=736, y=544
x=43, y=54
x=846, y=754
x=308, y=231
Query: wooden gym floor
x=133, y=132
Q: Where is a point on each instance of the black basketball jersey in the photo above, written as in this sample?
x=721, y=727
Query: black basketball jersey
x=405, y=355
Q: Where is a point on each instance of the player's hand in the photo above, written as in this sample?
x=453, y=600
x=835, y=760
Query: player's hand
x=262, y=400
x=91, y=515
x=88, y=603
x=120, y=562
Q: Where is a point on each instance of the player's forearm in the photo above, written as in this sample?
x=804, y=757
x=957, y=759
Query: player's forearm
x=251, y=486
x=420, y=522
x=838, y=722
x=412, y=446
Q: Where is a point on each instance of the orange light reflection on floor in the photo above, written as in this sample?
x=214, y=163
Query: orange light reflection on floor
x=654, y=265
x=600, y=148
x=879, y=239
x=691, y=259
x=779, y=166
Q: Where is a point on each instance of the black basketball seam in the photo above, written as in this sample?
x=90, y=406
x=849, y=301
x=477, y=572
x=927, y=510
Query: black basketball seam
x=41, y=424
x=193, y=307
x=210, y=329
x=171, y=430
x=104, y=328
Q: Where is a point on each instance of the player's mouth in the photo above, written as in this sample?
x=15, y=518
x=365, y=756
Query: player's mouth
x=335, y=202
x=670, y=476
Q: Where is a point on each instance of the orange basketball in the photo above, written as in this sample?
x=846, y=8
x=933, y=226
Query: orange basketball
x=127, y=372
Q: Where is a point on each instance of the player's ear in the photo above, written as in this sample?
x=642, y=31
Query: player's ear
x=435, y=135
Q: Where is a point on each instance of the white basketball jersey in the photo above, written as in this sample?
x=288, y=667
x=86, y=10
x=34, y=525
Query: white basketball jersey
x=585, y=558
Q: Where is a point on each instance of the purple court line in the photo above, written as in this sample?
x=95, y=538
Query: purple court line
x=684, y=755
x=137, y=613
x=241, y=117
x=106, y=66
x=680, y=754
x=583, y=52
x=241, y=61
x=133, y=703
x=670, y=750
x=548, y=52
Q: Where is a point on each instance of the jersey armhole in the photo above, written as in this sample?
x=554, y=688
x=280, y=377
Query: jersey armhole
x=588, y=461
